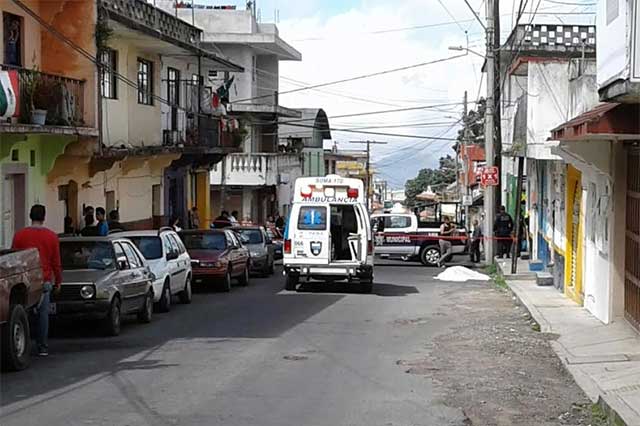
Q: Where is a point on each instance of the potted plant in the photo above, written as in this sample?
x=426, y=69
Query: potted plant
x=32, y=85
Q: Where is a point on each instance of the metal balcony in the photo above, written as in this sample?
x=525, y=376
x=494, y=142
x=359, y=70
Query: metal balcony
x=61, y=97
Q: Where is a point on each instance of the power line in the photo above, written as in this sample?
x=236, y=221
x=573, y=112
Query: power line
x=392, y=30
x=564, y=3
x=360, y=77
x=397, y=135
x=90, y=57
x=359, y=114
x=451, y=16
x=417, y=125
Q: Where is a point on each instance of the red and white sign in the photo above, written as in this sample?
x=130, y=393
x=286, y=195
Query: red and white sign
x=490, y=176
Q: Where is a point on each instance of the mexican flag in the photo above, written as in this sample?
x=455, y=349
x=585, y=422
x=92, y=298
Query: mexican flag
x=9, y=94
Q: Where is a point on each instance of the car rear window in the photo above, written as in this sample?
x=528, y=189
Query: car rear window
x=250, y=236
x=150, y=247
x=209, y=241
x=87, y=255
x=312, y=218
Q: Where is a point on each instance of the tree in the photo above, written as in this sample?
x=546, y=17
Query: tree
x=474, y=122
x=445, y=174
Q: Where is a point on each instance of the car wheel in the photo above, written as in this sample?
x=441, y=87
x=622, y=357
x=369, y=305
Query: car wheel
x=147, y=308
x=185, y=295
x=244, y=278
x=266, y=271
x=429, y=256
x=112, y=322
x=226, y=285
x=164, y=304
x=366, y=284
x=16, y=340
x=291, y=282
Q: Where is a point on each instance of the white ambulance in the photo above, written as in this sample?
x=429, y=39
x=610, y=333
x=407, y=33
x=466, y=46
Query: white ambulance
x=328, y=234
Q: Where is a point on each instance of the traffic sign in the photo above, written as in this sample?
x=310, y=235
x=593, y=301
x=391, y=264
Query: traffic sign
x=490, y=176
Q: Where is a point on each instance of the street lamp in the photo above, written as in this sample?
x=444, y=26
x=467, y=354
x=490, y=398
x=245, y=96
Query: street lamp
x=466, y=49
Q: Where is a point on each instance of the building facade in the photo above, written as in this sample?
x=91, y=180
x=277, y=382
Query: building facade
x=57, y=83
x=253, y=181
x=600, y=143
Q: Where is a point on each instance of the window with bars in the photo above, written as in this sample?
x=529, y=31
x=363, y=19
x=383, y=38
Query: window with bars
x=108, y=80
x=145, y=82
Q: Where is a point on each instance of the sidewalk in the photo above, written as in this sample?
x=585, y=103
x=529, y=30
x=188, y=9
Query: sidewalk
x=603, y=359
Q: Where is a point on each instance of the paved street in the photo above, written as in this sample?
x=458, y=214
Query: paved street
x=416, y=352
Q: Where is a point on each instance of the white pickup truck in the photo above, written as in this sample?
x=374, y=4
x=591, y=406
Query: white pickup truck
x=401, y=234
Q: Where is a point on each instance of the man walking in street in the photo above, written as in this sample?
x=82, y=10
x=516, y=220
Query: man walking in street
x=476, y=240
x=503, y=230
x=48, y=245
x=103, y=227
x=446, y=230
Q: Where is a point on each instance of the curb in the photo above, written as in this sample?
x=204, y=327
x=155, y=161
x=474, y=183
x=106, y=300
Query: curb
x=603, y=400
x=613, y=418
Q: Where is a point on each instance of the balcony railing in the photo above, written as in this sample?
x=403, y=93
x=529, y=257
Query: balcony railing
x=61, y=97
x=142, y=13
x=255, y=169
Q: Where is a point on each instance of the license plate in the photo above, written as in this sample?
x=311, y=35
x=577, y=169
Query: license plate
x=52, y=309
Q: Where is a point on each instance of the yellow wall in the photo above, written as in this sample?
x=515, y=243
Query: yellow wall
x=575, y=223
x=203, y=202
x=125, y=121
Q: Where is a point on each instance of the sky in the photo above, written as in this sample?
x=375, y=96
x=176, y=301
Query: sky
x=339, y=39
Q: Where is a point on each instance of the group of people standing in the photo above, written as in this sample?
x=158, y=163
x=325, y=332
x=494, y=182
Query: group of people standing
x=95, y=223
x=503, y=231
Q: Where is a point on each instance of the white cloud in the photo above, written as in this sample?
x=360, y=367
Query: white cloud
x=344, y=48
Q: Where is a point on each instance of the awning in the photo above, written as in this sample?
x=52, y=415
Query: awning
x=605, y=121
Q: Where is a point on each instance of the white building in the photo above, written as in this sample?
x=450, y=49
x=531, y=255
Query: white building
x=248, y=182
x=601, y=143
x=576, y=123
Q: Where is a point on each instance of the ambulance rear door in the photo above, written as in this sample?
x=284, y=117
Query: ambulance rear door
x=311, y=241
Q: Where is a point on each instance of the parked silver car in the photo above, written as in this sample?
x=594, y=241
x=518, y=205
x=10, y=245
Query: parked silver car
x=261, y=248
x=104, y=278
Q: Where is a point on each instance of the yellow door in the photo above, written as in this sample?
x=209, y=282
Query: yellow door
x=575, y=220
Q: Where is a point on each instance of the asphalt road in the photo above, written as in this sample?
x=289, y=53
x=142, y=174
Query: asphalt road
x=255, y=356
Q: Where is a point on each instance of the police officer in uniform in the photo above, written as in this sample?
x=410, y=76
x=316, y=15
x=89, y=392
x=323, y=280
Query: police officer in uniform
x=503, y=229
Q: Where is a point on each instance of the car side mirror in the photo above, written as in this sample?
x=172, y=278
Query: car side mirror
x=122, y=263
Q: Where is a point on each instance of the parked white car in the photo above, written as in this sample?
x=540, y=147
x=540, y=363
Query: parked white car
x=169, y=262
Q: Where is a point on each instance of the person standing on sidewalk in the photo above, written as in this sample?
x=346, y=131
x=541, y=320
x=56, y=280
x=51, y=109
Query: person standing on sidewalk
x=503, y=228
x=103, y=226
x=476, y=240
x=48, y=245
x=446, y=230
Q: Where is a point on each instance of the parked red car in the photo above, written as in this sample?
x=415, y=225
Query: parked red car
x=217, y=256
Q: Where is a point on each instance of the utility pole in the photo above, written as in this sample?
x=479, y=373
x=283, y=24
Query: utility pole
x=497, y=88
x=465, y=161
x=368, y=179
x=489, y=127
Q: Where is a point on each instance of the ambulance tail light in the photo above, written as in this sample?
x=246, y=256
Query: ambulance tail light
x=370, y=247
x=287, y=246
x=353, y=192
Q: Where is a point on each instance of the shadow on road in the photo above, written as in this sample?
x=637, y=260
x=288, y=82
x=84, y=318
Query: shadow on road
x=80, y=354
x=379, y=289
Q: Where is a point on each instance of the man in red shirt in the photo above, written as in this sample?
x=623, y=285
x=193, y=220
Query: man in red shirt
x=48, y=245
